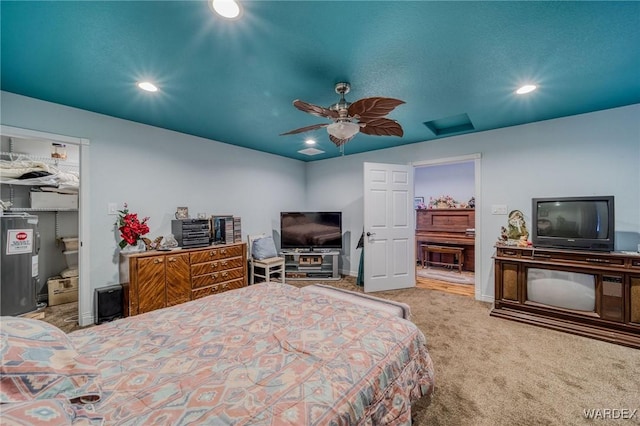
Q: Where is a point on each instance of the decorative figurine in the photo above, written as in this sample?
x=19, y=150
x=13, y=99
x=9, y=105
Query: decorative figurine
x=516, y=233
x=152, y=245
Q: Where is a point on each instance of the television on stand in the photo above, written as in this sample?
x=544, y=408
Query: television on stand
x=311, y=231
x=582, y=223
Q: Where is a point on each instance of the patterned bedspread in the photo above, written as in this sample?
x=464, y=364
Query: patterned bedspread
x=268, y=354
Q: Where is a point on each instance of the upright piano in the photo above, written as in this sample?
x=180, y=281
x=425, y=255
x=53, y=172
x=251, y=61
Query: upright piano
x=447, y=227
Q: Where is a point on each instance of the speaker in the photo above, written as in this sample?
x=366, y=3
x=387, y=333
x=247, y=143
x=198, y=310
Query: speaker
x=108, y=303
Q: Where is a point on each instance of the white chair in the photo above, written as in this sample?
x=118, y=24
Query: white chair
x=264, y=261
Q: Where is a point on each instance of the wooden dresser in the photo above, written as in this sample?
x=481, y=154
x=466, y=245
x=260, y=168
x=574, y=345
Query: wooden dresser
x=447, y=227
x=157, y=279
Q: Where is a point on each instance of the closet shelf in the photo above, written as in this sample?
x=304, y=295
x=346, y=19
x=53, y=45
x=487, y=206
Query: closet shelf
x=29, y=209
x=47, y=160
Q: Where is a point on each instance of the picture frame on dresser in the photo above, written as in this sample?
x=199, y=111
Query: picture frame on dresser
x=182, y=213
x=417, y=201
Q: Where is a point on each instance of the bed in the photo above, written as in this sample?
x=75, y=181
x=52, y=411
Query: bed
x=268, y=354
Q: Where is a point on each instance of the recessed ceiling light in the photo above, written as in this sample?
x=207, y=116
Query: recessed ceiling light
x=148, y=86
x=226, y=8
x=310, y=142
x=527, y=88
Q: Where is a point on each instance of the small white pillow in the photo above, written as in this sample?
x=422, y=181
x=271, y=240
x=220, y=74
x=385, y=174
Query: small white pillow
x=264, y=248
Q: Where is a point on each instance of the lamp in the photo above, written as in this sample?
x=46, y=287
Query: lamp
x=343, y=129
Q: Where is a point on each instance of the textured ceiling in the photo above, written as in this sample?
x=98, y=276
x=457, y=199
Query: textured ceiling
x=234, y=81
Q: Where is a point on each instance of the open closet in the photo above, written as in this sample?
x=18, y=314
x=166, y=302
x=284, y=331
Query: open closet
x=39, y=194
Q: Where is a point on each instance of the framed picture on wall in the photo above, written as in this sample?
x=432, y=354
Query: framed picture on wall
x=417, y=201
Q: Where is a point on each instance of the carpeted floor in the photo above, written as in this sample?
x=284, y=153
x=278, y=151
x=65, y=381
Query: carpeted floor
x=491, y=371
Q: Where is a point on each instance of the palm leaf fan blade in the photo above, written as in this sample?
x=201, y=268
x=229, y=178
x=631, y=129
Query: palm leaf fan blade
x=369, y=108
x=314, y=109
x=381, y=127
x=305, y=129
x=339, y=142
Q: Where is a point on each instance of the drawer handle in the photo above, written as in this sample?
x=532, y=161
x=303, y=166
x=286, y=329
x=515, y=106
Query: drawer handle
x=156, y=261
x=225, y=274
x=223, y=263
x=225, y=286
x=214, y=276
x=214, y=265
x=212, y=253
x=172, y=259
x=597, y=260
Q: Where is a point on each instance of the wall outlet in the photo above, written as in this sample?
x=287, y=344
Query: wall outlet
x=112, y=208
x=498, y=209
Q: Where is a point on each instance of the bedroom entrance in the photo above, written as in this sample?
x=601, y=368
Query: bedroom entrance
x=445, y=199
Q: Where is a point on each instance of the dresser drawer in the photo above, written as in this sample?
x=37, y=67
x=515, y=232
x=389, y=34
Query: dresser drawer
x=217, y=288
x=210, y=254
x=216, y=277
x=215, y=266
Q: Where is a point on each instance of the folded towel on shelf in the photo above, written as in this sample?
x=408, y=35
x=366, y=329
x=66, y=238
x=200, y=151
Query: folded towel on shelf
x=16, y=168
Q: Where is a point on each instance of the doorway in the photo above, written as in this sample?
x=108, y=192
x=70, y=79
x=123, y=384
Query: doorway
x=66, y=154
x=447, y=191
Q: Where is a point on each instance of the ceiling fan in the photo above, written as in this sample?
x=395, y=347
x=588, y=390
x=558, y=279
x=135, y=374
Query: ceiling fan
x=348, y=119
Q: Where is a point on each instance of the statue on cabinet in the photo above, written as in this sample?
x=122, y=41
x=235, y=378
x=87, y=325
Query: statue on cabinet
x=516, y=233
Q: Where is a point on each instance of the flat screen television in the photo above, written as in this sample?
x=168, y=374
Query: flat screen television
x=583, y=223
x=311, y=230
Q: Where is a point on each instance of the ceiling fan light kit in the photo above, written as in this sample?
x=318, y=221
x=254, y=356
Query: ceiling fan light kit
x=348, y=119
x=343, y=129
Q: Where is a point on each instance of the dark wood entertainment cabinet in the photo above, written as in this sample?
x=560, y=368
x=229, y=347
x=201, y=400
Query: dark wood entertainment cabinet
x=616, y=317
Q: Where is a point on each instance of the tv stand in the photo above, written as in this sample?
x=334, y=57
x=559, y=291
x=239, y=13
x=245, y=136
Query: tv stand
x=615, y=316
x=311, y=264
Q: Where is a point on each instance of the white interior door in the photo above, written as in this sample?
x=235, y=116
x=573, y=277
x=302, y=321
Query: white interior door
x=389, y=243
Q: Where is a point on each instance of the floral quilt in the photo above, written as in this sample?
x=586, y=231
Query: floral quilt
x=268, y=354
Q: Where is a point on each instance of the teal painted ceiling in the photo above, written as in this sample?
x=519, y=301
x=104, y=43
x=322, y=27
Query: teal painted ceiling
x=234, y=81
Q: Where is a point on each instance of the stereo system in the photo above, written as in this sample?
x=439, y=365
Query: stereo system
x=191, y=232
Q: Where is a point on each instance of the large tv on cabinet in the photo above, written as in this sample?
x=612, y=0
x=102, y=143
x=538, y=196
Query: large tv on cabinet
x=311, y=230
x=582, y=223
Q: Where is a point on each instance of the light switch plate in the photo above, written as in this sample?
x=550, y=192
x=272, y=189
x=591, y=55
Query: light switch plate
x=498, y=209
x=112, y=208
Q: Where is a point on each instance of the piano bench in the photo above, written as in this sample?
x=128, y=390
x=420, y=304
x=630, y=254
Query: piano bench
x=457, y=253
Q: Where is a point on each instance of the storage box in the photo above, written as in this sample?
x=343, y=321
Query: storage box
x=53, y=200
x=72, y=258
x=62, y=290
x=70, y=243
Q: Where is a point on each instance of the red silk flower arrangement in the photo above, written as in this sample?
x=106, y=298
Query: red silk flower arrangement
x=131, y=228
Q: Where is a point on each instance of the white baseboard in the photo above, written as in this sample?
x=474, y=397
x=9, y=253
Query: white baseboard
x=86, y=319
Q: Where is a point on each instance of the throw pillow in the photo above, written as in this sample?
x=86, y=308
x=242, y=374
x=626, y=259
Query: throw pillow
x=264, y=248
x=40, y=362
x=49, y=411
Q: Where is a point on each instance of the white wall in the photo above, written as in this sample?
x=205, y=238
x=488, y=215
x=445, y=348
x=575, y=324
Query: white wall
x=590, y=154
x=156, y=170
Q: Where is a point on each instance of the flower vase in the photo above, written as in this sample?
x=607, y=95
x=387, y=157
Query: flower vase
x=138, y=247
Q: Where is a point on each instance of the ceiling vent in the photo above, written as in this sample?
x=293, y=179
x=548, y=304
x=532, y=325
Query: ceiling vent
x=311, y=151
x=449, y=125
